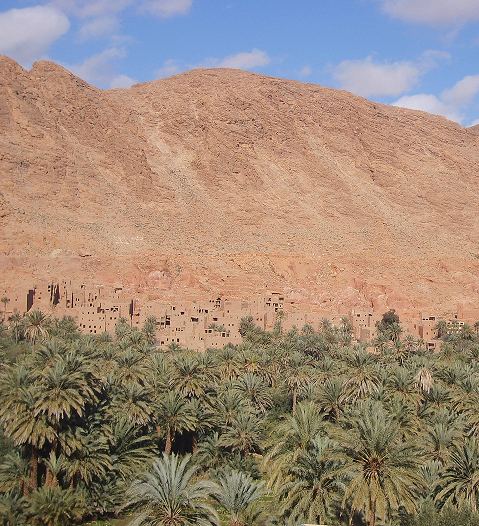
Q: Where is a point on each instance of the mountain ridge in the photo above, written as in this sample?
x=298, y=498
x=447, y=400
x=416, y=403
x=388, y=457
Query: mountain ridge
x=225, y=181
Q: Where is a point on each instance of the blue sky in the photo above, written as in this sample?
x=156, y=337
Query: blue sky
x=414, y=53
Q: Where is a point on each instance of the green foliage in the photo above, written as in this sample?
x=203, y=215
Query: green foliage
x=217, y=328
x=170, y=494
x=429, y=515
x=237, y=494
x=389, y=326
x=56, y=507
x=285, y=428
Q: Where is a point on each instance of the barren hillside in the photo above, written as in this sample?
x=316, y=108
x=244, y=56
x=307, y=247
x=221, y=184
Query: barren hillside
x=225, y=181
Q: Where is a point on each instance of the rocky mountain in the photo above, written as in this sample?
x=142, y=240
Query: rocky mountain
x=222, y=181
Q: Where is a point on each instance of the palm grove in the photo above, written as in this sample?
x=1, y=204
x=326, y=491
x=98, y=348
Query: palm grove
x=285, y=428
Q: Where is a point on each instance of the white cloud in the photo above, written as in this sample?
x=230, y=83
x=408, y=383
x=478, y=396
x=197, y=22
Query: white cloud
x=430, y=59
x=92, y=8
x=98, y=69
x=98, y=18
x=463, y=92
x=434, y=12
x=451, y=103
x=98, y=8
x=429, y=103
x=167, y=8
x=122, y=81
x=368, y=78
x=372, y=79
x=169, y=68
x=97, y=27
x=26, y=34
x=305, y=71
x=475, y=123
x=102, y=17
x=243, y=60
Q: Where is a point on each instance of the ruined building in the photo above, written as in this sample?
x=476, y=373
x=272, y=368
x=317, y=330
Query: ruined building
x=199, y=325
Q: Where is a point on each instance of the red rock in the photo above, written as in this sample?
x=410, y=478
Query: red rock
x=239, y=182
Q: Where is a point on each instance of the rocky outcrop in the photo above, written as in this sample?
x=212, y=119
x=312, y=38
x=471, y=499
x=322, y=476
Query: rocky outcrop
x=226, y=181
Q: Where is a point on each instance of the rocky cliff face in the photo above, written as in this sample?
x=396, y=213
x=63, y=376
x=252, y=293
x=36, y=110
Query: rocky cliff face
x=225, y=181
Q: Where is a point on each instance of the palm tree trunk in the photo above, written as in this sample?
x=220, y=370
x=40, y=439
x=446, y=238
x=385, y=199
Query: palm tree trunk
x=34, y=469
x=51, y=480
x=372, y=511
x=169, y=441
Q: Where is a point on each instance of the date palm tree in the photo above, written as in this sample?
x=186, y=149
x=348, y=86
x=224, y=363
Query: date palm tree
x=5, y=300
x=54, y=469
x=14, y=474
x=383, y=471
x=172, y=495
x=54, y=506
x=149, y=329
x=460, y=483
x=404, y=414
x=189, y=377
x=466, y=404
x=16, y=326
x=250, y=361
x=209, y=453
x=441, y=328
x=424, y=380
x=297, y=377
x=130, y=449
x=297, y=432
x=36, y=326
x=131, y=366
x=227, y=364
x=237, y=493
x=331, y=398
x=311, y=484
x=22, y=424
x=402, y=383
x=243, y=435
x=363, y=376
x=439, y=440
x=133, y=401
x=90, y=460
x=66, y=328
x=256, y=390
x=12, y=510
x=175, y=415
x=63, y=390
x=293, y=437
x=225, y=406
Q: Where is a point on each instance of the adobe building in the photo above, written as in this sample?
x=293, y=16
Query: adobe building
x=364, y=324
x=200, y=325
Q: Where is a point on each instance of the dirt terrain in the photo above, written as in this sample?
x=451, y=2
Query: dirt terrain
x=221, y=181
